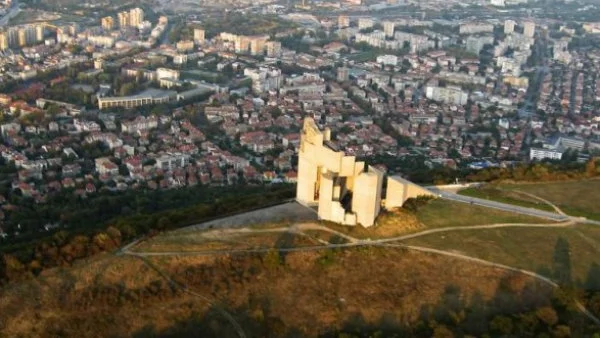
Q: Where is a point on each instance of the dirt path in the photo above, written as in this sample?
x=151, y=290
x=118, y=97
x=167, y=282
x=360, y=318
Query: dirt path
x=556, y=208
x=539, y=277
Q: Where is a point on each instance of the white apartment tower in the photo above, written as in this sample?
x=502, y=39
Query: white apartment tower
x=123, y=19
x=509, y=26
x=364, y=23
x=136, y=17
x=343, y=21
x=388, y=28
x=529, y=29
x=199, y=35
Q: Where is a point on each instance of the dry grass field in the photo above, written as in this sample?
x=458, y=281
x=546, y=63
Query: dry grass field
x=527, y=248
x=309, y=293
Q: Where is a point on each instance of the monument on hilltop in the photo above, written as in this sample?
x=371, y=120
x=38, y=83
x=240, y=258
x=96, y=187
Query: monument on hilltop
x=345, y=191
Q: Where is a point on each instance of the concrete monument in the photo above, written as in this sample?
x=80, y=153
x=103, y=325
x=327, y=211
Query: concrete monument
x=345, y=191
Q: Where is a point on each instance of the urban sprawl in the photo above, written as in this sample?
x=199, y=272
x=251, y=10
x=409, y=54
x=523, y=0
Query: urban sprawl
x=133, y=101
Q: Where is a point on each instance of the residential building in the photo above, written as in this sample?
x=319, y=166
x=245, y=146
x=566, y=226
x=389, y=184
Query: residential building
x=264, y=79
x=540, y=154
x=509, y=26
x=343, y=74
x=364, y=23
x=388, y=28
x=343, y=21
x=171, y=161
x=108, y=23
x=529, y=29
x=450, y=94
x=136, y=17
x=145, y=98
x=199, y=36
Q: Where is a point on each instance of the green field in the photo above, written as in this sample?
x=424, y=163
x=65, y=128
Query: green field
x=527, y=248
x=436, y=213
x=506, y=196
x=441, y=213
x=365, y=56
x=576, y=198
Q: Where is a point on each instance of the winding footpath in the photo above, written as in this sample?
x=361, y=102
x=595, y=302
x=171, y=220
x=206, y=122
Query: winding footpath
x=554, y=206
x=352, y=242
x=537, y=276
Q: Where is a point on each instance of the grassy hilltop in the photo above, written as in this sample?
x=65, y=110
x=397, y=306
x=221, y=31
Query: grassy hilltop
x=306, y=278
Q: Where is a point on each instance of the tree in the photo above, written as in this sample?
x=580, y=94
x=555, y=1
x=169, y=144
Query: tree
x=163, y=223
x=13, y=268
x=562, y=331
x=127, y=89
x=53, y=110
x=592, y=282
x=275, y=112
x=591, y=168
x=476, y=320
x=2, y=270
x=502, y=325
x=547, y=315
x=561, y=262
x=272, y=259
x=442, y=332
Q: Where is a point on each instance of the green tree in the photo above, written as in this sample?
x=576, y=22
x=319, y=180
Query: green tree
x=561, y=262
x=502, y=325
x=272, y=259
x=127, y=89
x=592, y=282
x=163, y=223
x=547, y=315
x=476, y=320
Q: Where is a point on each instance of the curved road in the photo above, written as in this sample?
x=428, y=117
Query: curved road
x=503, y=206
x=512, y=208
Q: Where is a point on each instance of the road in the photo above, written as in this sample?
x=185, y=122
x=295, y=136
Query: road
x=501, y=206
x=512, y=208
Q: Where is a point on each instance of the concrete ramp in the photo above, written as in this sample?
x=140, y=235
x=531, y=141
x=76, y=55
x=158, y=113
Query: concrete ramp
x=399, y=190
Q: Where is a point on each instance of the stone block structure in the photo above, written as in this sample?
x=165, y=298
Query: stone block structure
x=345, y=191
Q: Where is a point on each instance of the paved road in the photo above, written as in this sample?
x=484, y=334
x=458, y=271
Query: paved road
x=502, y=206
x=512, y=208
x=289, y=211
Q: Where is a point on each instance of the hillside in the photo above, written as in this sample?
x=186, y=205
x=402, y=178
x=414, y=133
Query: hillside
x=434, y=268
x=304, y=294
x=287, y=279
